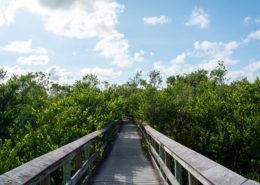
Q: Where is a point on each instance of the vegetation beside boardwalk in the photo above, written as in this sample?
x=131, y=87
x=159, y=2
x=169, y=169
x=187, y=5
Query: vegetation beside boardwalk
x=199, y=110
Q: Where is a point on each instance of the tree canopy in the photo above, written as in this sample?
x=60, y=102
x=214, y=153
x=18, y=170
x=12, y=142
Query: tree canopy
x=199, y=110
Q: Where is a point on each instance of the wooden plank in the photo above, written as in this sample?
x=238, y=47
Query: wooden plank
x=24, y=173
x=126, y=163
x=5, y=180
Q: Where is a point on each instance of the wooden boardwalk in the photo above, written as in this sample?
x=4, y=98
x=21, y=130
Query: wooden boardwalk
x=126, y=164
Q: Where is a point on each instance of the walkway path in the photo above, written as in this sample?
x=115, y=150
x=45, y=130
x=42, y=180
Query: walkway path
x=126, y=164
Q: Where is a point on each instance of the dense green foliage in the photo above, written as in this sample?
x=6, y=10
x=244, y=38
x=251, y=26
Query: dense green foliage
x=37, y=116
x=199, y=110
x=202, y=112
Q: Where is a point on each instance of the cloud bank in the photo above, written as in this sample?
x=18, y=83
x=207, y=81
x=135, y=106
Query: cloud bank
x=79, y=19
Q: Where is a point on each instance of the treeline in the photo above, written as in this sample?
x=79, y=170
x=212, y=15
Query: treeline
x=199, y=110
x=37, y=116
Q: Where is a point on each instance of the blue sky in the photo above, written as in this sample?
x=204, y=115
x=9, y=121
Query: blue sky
x=114, y=39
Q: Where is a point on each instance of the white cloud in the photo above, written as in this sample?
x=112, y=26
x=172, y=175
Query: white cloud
x=231, y=45
x=174, y=69
x=179, y=59
x=38, y=56
x=19, y=47
x=198, y=18
x=102, y=73
x=13, y=70
x=139, y=56
x=6, y=12
x=59, y=75
x=257, y=20
x=213, y=46
x=116, y=48
x=208, y=53
x=33, y=60
x=157, y=20
x=82, y=19
x=253, y=35
x=247, y=20
x=73, y=18
x=23, y=47
x=251, y=71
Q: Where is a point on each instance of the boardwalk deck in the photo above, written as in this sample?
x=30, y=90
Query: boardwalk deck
x=126, y=163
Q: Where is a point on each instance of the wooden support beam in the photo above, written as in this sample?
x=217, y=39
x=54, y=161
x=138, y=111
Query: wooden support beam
x=46, y=180
x=167, y=160
x=87, y=155
x=161, y=152
x=192, y=180
x=78, y=160
x=178, y=171
x=86, y=152
x=67, y=171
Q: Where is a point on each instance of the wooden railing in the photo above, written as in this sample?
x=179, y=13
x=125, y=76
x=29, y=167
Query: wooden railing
x=80, y=156
x=179, y=165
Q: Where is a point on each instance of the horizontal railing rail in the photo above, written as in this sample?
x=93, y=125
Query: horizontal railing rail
x=79, y=156
x=179, y=165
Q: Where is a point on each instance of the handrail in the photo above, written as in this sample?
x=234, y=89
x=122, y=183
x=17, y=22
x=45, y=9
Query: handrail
x=39, y=169
x=200, y=169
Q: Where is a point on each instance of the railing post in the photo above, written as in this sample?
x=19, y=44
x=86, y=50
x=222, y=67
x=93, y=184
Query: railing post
x=192, y=180
x=153, y=144
x=94, y=147
x=178, y=171
x=149, y=139
x=46, y=180
x=66, y=171
x=167, y=160
x=94, y=151
x=161, y=152
x=78, y=159
x=86, y=153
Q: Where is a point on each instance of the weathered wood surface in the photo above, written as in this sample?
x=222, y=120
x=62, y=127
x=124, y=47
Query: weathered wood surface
x=199, y=166
x=126, y=164
x=36, y=171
